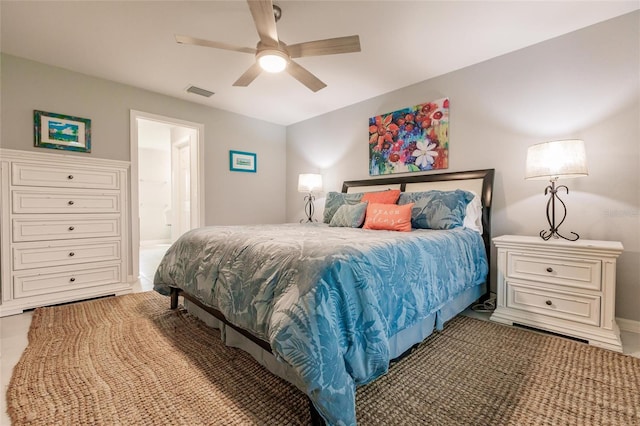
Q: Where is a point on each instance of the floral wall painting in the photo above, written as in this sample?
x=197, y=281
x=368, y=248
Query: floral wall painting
x=414, y=139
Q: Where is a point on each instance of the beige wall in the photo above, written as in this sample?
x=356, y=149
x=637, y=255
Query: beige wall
x=230, y=197
x=582, y=85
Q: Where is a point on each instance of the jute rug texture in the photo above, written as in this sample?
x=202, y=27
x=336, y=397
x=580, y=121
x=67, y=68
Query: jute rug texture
x=130, y=360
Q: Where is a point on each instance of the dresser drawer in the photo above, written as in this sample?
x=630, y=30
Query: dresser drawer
x=27, y=284
x=65, y=202
x=56, y=253
x=570, y=272
x=23, y=174
x=26, y=229
x=569, y=306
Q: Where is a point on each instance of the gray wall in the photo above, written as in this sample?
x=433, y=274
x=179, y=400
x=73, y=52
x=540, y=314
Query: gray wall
x=230, y=197
x=582, y=85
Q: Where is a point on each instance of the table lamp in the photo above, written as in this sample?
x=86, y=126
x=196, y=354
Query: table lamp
x=309, y=182
x=554, y=160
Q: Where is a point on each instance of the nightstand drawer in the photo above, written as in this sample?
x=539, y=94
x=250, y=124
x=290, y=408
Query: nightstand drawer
x=571, y=272
x=569, y=306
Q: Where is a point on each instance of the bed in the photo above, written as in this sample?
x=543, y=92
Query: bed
x=327, y=308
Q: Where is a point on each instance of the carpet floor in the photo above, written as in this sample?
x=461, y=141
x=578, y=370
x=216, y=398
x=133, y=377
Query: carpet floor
x=130, y=360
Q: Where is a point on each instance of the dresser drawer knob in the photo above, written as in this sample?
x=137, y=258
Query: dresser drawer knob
x=72, y=279
x=70, y=177
x=71, y=202
x=71, y=228
x=548, y=302
x=71, y=254
x=549, y=269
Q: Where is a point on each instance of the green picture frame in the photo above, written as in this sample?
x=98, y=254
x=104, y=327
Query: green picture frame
x=59, y=131
x=240, y=161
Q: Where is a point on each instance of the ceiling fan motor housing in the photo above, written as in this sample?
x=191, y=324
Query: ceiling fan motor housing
x=277, y=12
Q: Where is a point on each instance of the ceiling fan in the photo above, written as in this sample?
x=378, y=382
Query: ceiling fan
x=273, y=55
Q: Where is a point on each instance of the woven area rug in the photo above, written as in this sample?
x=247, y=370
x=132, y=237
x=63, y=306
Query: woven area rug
x=130, y=360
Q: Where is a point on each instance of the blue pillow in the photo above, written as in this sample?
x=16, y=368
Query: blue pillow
x=437, y=209
x=335, y=200
x=351, y=216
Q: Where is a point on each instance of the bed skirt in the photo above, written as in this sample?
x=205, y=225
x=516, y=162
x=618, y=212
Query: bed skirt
x=398, y=344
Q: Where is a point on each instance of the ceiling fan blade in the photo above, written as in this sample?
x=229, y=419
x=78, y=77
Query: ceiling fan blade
x=305, y=77
x=262, y=12
x=182, y=39
x=248, y=76
x=330, y=46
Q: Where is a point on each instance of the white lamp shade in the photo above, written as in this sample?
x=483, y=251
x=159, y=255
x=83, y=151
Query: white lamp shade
x=550, y=160
x=309, y=182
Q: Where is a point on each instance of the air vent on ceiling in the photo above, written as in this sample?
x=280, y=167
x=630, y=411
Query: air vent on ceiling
x=199, y=91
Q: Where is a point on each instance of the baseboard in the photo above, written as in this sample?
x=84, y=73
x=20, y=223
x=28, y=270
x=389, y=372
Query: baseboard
x=628, y=325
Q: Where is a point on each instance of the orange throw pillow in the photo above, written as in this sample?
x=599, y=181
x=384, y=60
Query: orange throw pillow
x=390, y=196
x=390, y=217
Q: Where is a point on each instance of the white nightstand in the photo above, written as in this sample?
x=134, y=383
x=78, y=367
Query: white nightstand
x=567, y=287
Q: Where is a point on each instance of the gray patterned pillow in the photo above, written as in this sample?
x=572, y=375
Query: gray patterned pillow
x=437, y=209
x=349, y=216
x=335, y=200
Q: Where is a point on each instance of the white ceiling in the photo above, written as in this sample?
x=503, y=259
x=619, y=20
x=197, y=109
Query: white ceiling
x=403, y=42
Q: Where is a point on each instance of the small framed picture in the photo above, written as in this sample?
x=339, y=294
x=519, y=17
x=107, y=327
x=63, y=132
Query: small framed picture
x=58, y=131
x=242, y=161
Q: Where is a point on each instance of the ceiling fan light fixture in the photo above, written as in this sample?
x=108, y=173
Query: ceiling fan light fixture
x=272, y=60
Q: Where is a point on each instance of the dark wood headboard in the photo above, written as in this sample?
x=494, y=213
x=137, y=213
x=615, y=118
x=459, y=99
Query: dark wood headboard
x=479, y=181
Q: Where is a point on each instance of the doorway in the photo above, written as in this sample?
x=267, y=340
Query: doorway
x=167, y=197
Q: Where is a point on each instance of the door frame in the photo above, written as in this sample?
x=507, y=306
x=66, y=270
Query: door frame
x=197, y=179
x=176, y=217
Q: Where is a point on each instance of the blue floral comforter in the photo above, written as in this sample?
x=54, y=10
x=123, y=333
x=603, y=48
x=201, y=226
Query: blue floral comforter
x=326, y=299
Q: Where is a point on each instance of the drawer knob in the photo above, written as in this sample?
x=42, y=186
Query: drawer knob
x=548, y=302
x=71, y=254
x=70, y=177
x=72, y=279
x=71, y=228
x=549, y=269
x=71, y=202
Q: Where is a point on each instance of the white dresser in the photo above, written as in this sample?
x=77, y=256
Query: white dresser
x=567, y=287
x=64, y=229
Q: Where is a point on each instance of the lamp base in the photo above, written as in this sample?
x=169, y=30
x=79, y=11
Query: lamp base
x=547, y=234
x=308, y=209
x=551, y=213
